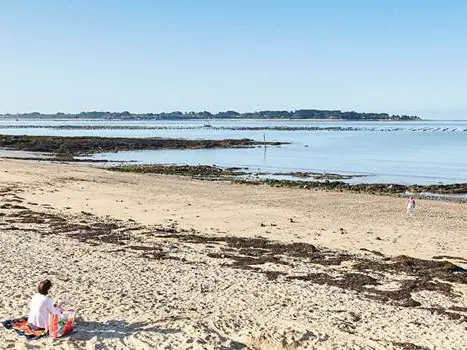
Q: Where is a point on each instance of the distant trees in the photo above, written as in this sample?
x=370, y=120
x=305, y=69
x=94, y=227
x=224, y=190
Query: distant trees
x=177, y=115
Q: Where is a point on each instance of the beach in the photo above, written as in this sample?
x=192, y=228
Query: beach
x=170, y=262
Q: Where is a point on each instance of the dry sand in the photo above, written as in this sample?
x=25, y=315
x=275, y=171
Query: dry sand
x=158, y=292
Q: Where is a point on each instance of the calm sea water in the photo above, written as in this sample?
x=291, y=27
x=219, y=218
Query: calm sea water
x=427, y=152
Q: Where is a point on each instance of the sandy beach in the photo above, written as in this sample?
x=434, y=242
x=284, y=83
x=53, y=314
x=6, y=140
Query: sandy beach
x=168, y=262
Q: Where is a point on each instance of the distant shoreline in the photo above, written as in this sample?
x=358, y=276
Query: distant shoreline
x=2, y=117
x=300, y=114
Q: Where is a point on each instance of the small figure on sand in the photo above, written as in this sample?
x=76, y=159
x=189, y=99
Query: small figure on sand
x=41, y=307
x=410, y=205
x=44, y=319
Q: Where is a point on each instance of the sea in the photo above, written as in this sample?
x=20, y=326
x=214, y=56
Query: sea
x=415, y=152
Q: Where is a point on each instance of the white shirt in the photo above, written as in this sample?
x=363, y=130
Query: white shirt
x=40, y=308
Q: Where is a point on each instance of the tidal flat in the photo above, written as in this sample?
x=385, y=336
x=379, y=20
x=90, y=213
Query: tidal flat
x=88, y=145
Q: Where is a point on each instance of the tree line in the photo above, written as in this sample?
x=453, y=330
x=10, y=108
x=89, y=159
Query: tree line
x=177, y=115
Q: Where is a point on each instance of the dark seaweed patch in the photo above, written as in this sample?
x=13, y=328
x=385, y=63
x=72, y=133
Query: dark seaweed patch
x=364, y=275
x=67, y=147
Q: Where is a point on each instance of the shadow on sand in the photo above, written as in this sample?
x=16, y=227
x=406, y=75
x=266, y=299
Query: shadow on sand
x=115, y=329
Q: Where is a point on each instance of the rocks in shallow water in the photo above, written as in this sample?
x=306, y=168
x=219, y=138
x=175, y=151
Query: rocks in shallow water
x=341, y=186
x=209, y=172
x=70, y=146
x=460, y=188
x=183, y=170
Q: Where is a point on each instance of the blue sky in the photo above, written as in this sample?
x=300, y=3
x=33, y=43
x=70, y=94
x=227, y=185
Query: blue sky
x=404, y=57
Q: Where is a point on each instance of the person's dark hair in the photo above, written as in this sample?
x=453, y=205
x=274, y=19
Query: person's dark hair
x=44, y=286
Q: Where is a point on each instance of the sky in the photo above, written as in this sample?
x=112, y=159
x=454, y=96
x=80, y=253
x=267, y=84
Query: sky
x=399, y=57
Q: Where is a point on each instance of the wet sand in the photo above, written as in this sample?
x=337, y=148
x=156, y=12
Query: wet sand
x=152, y=261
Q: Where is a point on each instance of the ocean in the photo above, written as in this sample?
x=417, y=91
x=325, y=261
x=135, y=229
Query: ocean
x=419, y=152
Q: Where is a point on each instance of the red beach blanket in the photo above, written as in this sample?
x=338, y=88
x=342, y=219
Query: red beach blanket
x=21, y=327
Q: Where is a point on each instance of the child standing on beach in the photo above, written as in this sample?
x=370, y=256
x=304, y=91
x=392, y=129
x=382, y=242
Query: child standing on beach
x=410, y=205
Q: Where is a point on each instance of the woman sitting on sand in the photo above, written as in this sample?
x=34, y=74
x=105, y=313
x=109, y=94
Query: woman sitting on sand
x=41, y=307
